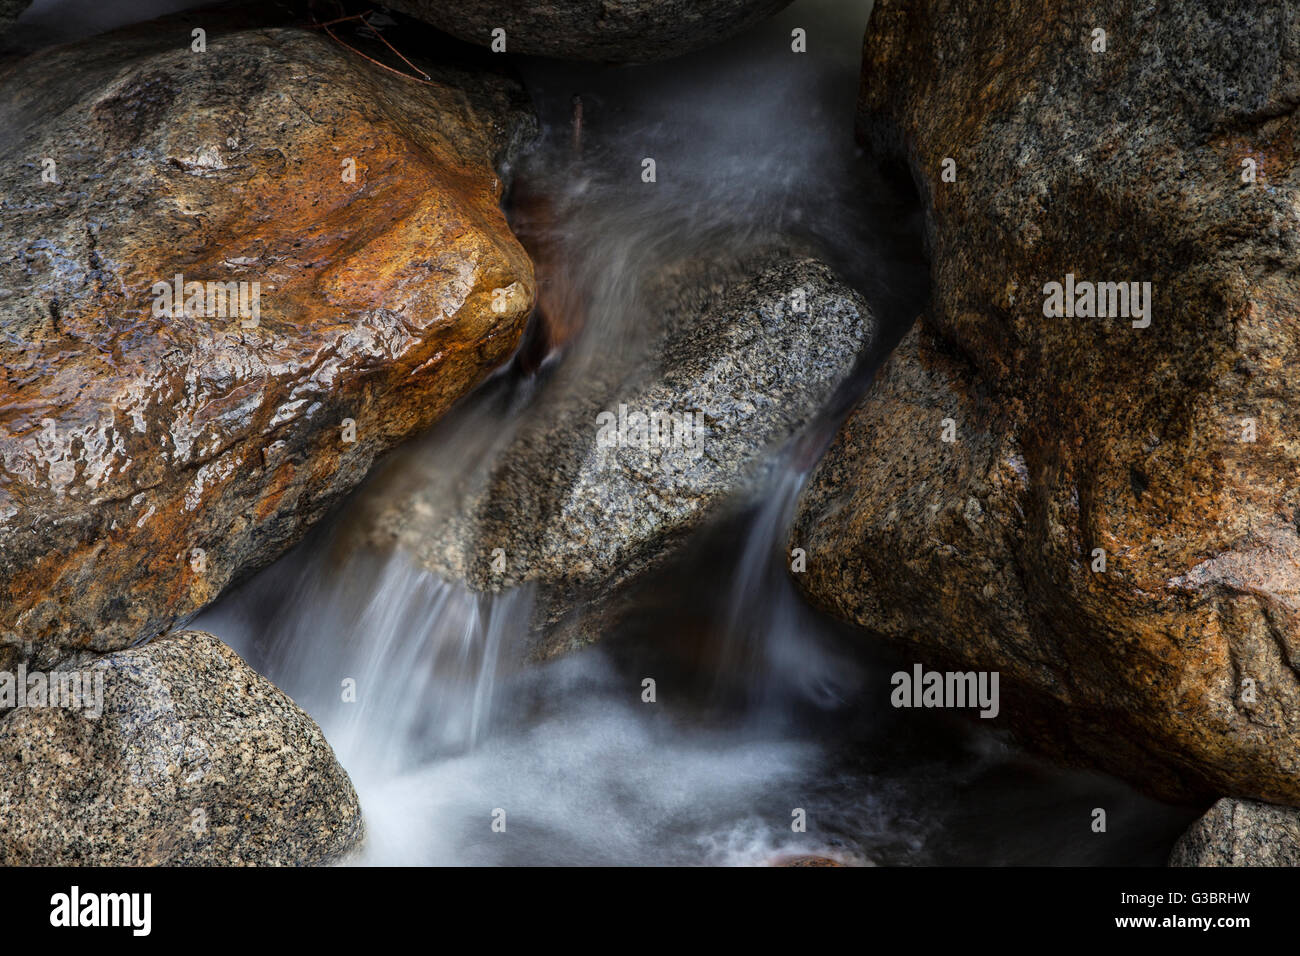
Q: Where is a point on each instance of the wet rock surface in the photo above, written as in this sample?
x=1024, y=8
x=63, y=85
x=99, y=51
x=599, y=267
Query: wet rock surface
x=147, y=457
x=194, y=760
x=1162, y=443
x=630, y=31
x=1241, y=833
x=749, y=350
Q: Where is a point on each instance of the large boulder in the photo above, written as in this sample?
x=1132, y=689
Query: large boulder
x=175, y=753
x=746, y=349
x=629, y=31
x=1241, y=833
x=1114, y=525
x=150, y=454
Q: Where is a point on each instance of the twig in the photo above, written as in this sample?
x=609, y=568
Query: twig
x=427, y=81
x=384, y=40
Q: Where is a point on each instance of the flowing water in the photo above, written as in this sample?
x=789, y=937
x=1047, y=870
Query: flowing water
x=764, y=709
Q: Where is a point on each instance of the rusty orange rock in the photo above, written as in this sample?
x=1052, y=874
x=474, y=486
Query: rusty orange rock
x=152, y=452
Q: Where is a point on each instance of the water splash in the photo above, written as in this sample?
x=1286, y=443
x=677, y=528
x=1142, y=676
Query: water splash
x=396, y=665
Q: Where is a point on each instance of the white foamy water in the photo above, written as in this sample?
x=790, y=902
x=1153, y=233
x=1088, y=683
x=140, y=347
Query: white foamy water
x=418, y=686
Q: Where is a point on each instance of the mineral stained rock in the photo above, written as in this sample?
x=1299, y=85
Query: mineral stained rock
x=1098, y=500
x=176, y=753
x=229, y=278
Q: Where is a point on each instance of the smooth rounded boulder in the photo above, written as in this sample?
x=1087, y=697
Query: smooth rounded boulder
x=174, y=753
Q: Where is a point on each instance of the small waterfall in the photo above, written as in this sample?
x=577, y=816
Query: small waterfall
x=448, y=727
x=396, y=665
x=767, y=651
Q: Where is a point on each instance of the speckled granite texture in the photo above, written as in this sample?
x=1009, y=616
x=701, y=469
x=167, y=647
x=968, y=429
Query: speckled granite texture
x=1178, y=665
x=1241, y=833
x=755, y=346
x=195, y=760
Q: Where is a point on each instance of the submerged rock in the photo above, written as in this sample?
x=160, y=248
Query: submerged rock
x=582, y=495
x=155, y=447
x=630, y=31
x=1241, y=833
x=1113, y=522
x=192, y=759
x=806, y=861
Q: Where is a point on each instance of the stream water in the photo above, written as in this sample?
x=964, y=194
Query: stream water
x=764, y=708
